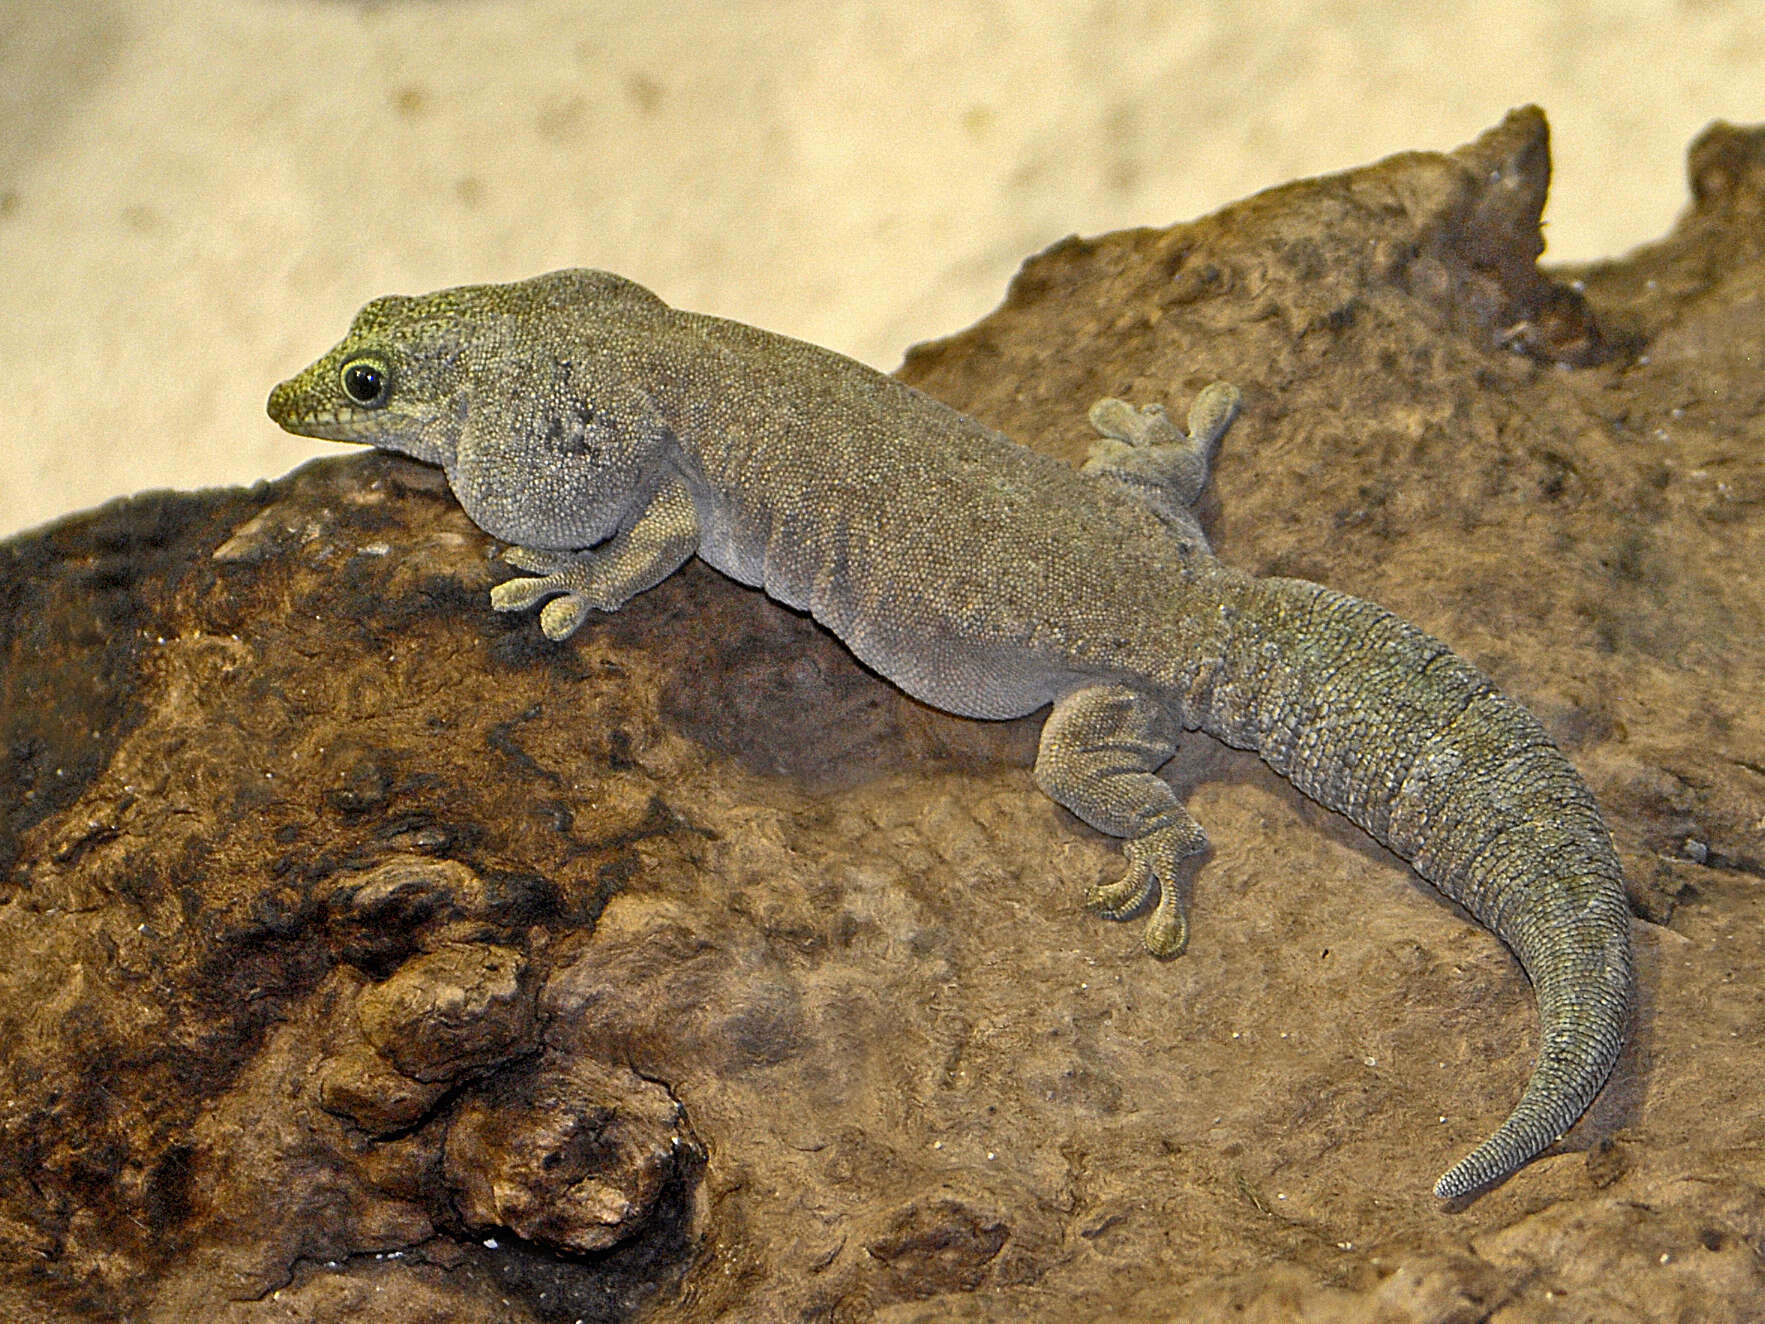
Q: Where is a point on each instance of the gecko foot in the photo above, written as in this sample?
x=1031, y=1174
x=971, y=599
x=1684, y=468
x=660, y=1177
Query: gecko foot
x=1210, y=415
x=563, y=577
x=1141, y=452
x=1152, y=863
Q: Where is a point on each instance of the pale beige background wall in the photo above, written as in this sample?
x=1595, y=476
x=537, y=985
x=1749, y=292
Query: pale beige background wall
x=195, y=195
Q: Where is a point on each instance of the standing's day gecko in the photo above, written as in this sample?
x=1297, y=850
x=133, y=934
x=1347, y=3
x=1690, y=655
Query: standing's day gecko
x=612, y=437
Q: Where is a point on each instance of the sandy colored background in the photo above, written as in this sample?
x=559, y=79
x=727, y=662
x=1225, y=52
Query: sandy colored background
x=195, y=195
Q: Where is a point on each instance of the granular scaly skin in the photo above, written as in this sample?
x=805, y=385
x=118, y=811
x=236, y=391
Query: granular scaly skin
x=577, y=411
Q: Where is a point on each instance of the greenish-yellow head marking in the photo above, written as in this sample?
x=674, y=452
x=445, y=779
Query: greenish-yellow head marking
x=411, y=368
x=393, y=382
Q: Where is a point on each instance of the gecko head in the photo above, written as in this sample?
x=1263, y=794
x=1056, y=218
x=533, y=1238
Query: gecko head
x=393, y=381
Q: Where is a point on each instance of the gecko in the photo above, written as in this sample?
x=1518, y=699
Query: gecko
x=608, y=437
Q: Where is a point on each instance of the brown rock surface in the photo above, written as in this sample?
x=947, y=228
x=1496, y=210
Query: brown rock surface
x=369, y=958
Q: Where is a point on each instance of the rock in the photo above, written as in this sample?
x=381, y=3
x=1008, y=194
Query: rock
x=568, y=1154
x=371, y=958
x=447, y=1013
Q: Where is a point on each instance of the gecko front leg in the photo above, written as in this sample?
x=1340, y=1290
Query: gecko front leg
x=635, y=558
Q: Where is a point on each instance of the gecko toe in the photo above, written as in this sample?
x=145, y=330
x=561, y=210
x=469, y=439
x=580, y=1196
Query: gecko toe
x=1212, y=413
x=561, y=617
x=1121, y=421
x=1126, y=894
x=1167, y=932
x=520, y=594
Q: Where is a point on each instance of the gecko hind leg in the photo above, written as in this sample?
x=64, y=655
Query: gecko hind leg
x=1100, y=752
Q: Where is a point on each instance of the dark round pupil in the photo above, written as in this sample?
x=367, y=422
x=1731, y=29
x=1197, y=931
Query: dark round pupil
x=364, y=383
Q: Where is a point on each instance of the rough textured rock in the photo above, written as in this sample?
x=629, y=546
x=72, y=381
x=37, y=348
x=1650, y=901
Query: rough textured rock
x=370, y=958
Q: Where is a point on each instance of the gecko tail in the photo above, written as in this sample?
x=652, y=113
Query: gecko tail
x=1544, y=1113
x=1372, y=718
x=1583, y=984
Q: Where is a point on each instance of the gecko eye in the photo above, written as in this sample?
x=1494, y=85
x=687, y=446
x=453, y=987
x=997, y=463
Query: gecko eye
x=364, y=382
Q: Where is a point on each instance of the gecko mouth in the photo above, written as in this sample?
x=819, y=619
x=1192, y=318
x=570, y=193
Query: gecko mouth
x=330, y=424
